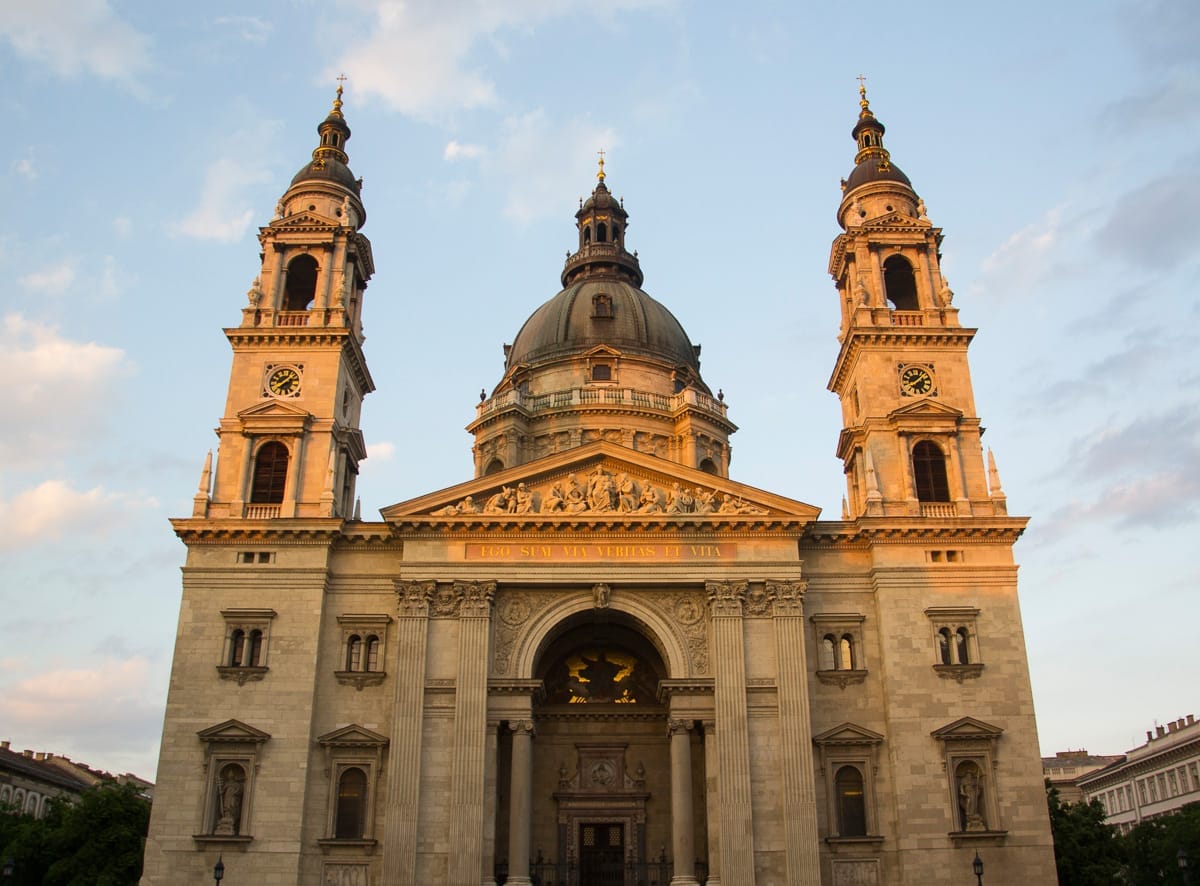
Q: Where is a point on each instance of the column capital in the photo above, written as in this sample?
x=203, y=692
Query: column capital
x=476, y=596
x=413, y=598
x=726, y=597
x=787, y=596
x=677, y=726
x=522, y=727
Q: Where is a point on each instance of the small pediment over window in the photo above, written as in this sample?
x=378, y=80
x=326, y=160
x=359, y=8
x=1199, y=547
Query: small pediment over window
x=848, y=734
x=233, y=731
x=353, y=736
x=967, y=729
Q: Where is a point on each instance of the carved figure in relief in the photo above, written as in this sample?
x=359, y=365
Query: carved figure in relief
x=650, y=503
x=600, y=490
x=255, y=293
x=946, y=293
x=576, y=496
x=231, y=787
x=626, y=493
x=969, y=790
x=555, y=500
x=278, y=210
x=864, y=297
x=501, y=503
x=600, y=596
x=704, y=501
x=687, y=504
x=524, y=500
x=466, y=506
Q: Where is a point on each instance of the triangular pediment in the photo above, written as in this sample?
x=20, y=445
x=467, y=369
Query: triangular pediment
x=966, y=729
x=602, y=351
x=600, y=481
x=353, y=736
x=233, y=731
x=894, y=221
x=273, y=407
x=848, y=734
x=925, y=409
x=306, y=219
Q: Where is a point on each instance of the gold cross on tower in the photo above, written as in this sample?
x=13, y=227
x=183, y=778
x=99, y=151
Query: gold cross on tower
x=600, y=174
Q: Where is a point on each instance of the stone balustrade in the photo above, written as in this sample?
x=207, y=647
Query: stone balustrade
x=602, y=396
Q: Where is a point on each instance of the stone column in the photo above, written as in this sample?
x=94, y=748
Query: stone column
x=725, y=600
x=520, y=809
x=683, y=836
x=798, y=794
x=907, y=468
x=954, y=468
x=470, y=731
x=489, y=804
x=712, y=803
x=408, y=719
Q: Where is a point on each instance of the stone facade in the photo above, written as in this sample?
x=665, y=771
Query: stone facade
x=600, y=656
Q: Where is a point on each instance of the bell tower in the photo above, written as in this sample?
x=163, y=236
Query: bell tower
x=910, y=440
x=290, y=443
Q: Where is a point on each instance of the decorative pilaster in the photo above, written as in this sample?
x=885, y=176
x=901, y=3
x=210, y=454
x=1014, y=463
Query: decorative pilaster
x=470, y=730
x=683, y=837
x=712, y=803
x=521, y=803
x=408, y=720
x=798, y=794
x=726, y=600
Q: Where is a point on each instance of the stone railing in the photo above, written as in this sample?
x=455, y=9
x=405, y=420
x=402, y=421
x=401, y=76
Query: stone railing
x=940, y=509
x=602, y=396
x=262, y=512
x=291, y=318
x=908, y=318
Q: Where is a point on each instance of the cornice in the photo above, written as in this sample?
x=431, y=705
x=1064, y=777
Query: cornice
x=859, y=338
x=539, y=526
x=254, y=337
x=293, y=531
x=915, y=530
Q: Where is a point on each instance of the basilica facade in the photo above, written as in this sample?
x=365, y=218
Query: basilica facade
x=600, y=659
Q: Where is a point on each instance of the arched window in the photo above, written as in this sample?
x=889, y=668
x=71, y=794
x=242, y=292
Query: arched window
x=899, y=284
x=944, y=646
x=708, y=466
x=237, y=648
x=494, y=466
x=960, y=646
x=5, y=795
x=354, y=648
x=301, y=286
x=846, y=653
x=587, y=236
x=372, y=659
x=851, y=802
x=254, y=653
x=929, y=472
x=350, y=814
x=828, y=653
x=616, y=232
x=601, y=233
x=270, y=474
x=31, y=804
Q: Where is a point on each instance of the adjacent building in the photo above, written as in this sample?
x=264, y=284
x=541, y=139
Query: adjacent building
x=29, y=780
x=1064, y=770
x=600, y=658
x=1156, y=778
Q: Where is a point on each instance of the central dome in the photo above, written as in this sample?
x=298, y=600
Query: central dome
x=608, y=312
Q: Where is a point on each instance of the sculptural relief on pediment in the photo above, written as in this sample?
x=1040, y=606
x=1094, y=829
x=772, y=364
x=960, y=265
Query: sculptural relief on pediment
x=601, y=492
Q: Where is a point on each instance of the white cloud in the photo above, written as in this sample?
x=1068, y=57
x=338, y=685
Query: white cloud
x=458, y=151
x=542, y=160
x=1027, y=258
x=52, y=387
x=75, y=37
x=381, y=451
x=53, y=510
x=225, y=209
x=114, y=704
x=53, y=280
x=418, y=56
x=24, y=166
x=250, y=28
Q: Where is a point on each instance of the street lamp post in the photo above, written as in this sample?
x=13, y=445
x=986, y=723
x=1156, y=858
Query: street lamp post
x=1181, y=859
x=8, y=869
x=977, y=867
x=218, y=871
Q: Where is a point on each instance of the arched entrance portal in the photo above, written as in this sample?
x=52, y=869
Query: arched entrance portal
x=601, y=775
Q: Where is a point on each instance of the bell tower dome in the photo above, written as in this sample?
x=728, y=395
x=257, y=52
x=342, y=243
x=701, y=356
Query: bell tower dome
x=290, y=443
x=910, y=442
x=601, y=360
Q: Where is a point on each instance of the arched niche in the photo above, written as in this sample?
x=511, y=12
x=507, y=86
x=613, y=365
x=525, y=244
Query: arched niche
x=625, y=610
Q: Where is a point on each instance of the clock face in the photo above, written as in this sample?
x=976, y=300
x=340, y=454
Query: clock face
x=284, y=382
x=916, y=381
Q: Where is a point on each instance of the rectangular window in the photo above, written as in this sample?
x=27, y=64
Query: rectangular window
x=1153, y=790
x=1173, y=783
x=1142, y=791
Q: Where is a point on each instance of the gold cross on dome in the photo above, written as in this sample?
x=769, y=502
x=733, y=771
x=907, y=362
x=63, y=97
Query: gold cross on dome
x=600, y=174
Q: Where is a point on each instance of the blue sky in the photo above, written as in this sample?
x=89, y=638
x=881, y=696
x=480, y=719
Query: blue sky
x=145, y=142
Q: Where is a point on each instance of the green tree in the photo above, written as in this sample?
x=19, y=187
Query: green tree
x=1153, y=848
x=1087, y=852
x=95, y=840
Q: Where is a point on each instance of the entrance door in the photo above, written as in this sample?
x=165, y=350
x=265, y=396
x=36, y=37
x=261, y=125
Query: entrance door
x=602, y=854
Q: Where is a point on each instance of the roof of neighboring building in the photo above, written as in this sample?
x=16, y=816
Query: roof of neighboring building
x=29, y=765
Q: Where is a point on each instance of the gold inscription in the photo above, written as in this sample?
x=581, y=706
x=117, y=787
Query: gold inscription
x=604, y=552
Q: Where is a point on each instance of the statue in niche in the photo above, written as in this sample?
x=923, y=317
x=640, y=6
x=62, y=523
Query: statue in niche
x=231, y=787
x=970, y=791
x=601, y=594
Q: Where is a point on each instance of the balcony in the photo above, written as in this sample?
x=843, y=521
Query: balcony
x=599, y=397
x=262, y=512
